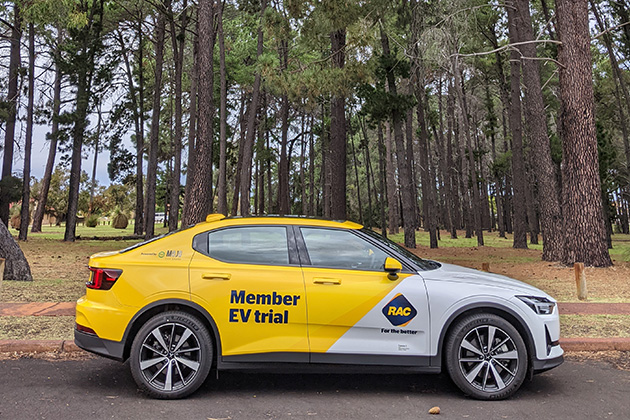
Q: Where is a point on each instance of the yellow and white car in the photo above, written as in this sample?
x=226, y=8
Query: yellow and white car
x=297, y=293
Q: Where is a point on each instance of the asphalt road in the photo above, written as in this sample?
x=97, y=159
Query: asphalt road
x=101, y=389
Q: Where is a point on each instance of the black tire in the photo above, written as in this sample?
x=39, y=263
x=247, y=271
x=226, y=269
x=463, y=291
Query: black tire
x=482, y=371
x=171, y=355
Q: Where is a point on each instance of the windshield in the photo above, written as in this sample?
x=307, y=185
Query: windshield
x=420, y=262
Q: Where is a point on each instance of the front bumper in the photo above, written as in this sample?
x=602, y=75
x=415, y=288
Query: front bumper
x=107, y=348
x=541, y=366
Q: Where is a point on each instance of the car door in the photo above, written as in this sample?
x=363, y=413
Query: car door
x=248, y=278
x=355, y=313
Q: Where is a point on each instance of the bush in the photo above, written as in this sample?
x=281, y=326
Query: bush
x=120, y=221
x=91, y=220
x=16, y=221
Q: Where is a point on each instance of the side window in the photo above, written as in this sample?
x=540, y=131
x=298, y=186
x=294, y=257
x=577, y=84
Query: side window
x=328, y=248
x=266, y=245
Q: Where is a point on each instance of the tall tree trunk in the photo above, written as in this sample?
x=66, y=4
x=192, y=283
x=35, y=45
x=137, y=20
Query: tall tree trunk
x=581, y=190
x=192, y=126
x=139, y=118
x=88, y=36
x=52, y=151
x=405, y=177
x=178, y=42
x=95, y=161
x=518, y=160
x=239, y=161
x=222, y=183
x=382, y=161
x=392, y=188
x=155, y=125
x=452, y=170
x=248, y=146
x=337, y=156
x=550, y=211
x=25, y=212
x=428, y=198
x=137, y=101
x=356, y=178
x=311, y=169
x=12, y=99
x=201, y=187
x=302, y=167
x=474, y=183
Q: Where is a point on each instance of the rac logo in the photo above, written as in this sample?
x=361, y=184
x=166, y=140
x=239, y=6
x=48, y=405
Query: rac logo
x=399, y=311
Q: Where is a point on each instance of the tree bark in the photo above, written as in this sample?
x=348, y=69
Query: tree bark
x=581, y=190
x=88, y=36
x=283, y=164
x=12, y=99
x=518, y=160
x=222, y=182
x=474, y=183
x=248, y=145
x=192, y=126
x=178, y=42
x=16, y=267
x=337, y=155
x=550, y=211
x=25, y=213
x=201, y=187
x=155, y=125
x=404, y=170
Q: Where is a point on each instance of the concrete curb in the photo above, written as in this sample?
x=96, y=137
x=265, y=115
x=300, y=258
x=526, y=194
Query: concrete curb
x=68, y=346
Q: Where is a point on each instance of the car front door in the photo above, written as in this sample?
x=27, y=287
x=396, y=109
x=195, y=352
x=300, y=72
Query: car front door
x=249, y=279
x=356, y=314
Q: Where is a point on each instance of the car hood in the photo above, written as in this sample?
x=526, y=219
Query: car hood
x=457, y=274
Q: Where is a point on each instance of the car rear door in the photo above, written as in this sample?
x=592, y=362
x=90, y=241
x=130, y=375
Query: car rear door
x=249, y=279
x=356, y=314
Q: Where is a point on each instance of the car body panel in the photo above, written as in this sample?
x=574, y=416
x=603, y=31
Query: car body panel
x=258, y=309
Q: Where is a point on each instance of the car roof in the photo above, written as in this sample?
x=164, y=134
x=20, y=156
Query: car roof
x=279, y=220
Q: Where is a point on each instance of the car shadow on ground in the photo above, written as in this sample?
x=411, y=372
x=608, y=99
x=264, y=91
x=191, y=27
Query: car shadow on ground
x=114, y=377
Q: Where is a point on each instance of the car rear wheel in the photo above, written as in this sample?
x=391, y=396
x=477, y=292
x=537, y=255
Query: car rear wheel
x=486, y=357
x=171, y=355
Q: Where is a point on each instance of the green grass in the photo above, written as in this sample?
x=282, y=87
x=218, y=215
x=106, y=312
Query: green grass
x=57, y=232
x=37, y=327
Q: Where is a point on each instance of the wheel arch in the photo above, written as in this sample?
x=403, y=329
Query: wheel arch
x=154, y=308
x=481, y=308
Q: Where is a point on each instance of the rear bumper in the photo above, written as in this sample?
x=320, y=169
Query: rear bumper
x=107, y=348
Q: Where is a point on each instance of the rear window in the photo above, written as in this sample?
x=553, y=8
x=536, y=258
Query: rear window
x=263, y=245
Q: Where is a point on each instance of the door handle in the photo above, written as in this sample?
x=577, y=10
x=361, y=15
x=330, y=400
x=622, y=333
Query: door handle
x=216, y=276
x=324, y=280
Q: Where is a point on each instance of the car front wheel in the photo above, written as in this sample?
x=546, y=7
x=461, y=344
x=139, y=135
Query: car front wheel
x=486, y=357
x=171, y=355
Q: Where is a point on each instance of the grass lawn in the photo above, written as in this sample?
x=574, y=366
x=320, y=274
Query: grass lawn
x=59, y=272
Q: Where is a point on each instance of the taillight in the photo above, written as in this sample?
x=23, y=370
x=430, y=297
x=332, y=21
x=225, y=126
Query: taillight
x=85, y=329
x=102, y=278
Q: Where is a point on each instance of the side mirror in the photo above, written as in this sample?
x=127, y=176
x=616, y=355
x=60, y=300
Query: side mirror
x=392, y=267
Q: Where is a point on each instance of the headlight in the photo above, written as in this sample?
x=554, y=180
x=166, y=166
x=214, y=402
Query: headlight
x=540, y=305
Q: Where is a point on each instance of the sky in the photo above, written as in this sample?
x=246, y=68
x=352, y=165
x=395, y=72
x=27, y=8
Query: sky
x=39, y=154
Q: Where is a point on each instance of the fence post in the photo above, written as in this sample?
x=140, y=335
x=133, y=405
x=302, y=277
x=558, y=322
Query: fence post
x=2, y=261
x=580, y=281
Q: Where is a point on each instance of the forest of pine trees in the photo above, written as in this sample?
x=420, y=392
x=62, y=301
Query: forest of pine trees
x=453, y=116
